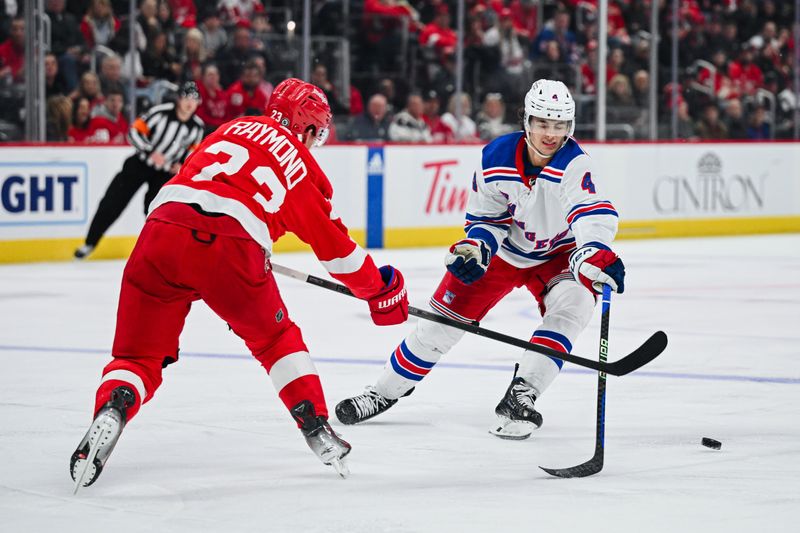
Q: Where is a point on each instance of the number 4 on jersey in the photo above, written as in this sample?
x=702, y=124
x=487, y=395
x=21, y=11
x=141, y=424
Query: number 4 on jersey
x=586, y=183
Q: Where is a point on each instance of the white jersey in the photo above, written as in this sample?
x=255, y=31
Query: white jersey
x=528, y=215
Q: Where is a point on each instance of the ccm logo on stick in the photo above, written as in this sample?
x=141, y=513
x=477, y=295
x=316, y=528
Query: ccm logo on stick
x=32, y=193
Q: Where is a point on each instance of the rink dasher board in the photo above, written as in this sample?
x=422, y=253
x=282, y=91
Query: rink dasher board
x=409, y=196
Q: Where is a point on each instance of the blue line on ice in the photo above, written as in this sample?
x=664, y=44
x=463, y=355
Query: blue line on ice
x=444, y=364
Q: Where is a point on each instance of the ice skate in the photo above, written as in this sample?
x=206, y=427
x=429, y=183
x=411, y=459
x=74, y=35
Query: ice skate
x=322, y=440
x=83, y=252
x=518, y=418
x=364, y=406
x=93, y=451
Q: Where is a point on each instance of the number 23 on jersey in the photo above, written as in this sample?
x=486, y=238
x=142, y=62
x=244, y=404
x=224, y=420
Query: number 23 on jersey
x=263, y=175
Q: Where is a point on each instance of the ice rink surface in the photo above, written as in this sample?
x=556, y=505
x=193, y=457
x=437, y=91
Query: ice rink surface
x=216, y=450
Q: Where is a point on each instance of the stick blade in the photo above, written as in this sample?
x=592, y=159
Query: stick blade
x=652, y=348
x=589, y=468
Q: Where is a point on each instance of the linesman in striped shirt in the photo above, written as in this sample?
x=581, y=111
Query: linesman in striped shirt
x=163, y=137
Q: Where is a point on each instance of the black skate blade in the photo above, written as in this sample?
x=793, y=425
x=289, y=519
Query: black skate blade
x=589, y=468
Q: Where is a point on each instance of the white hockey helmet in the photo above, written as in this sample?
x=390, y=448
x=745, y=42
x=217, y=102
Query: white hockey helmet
x=549, y=100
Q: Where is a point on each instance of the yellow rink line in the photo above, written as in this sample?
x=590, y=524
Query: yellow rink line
x=28, y=250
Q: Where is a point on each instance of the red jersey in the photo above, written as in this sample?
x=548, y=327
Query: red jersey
x=10, y=56
x=105, y=130
x=79, y=135
x=213, y=109
x=240, y=100
x=257, y=172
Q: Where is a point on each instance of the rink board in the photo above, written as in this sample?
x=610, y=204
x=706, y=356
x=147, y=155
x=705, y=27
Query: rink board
x=409, y=196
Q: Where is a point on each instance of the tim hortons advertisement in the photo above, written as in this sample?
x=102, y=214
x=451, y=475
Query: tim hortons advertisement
x=428, y=186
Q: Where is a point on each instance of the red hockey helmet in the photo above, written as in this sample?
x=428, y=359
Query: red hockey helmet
x=298, y=106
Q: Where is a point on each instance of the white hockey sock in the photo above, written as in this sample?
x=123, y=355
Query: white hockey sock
x=415, y=357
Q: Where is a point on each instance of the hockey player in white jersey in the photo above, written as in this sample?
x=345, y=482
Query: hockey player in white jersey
x=535, y=219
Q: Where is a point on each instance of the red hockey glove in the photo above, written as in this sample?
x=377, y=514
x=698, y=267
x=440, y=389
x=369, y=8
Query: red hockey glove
x=468, y=260
x=594, y=265
x=390, y=306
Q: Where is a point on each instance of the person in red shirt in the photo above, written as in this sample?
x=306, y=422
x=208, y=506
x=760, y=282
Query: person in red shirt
x=245, y=97
x=12, y=52
x=438, y=33
x=209, y=236
x=213, y=107
x=184, y=12
x=108, y=125
x=79, y=131
x=99, y=25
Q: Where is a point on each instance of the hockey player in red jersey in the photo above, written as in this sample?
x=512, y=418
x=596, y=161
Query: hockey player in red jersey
x=209, y=236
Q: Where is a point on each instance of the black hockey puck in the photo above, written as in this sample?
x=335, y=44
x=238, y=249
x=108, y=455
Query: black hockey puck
x=711, y=443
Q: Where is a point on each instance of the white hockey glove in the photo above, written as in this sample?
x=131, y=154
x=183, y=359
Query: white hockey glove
x=468, y=260
x=594, y=265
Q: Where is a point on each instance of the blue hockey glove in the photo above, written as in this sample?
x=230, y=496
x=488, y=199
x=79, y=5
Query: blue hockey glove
x=468, y=260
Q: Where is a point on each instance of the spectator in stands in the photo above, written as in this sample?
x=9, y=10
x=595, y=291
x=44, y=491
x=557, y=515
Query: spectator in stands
x=558, y=31
x=213, y=108
x=730, y=38
x=744, y=73
x=588, y=66
x=263, y=85
x=640, y=59
x=59, y=118
x=111, y=76
x=686, y=126
x=710, y=126
x=99, y=25
x=193, y=56
x=491, y=119
x=616, y=63
x=504, y=37
x=79, y=131
x=524, y=14
x=382, y=22
x=440, y=132
x=373, y=124
x=319, y=77
x=464, y=128
x=167, y=24
x=66, y=41
x=386, y=88
x=553, y=67
x=108, y=125
x=89, y=88
x=641, y=89
x=621, y=107
x=261, y=30
x=231, y=60
x=54, y=83
x=438, y=35
x=234, y=12
x=147, y=22
x=759, y=128
x=409, y=125
x=158, y=63
x=184, y=12
x=12, y=53
x=215, y=35
x=734, y=119
x=245, y=97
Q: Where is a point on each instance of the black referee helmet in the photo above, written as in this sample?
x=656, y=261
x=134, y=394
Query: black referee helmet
x=189, y=90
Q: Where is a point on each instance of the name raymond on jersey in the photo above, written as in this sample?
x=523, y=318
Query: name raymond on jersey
x=278, y=144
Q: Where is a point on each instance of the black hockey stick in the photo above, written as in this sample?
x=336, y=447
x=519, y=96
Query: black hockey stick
x=595, y=464
x=642, y=355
